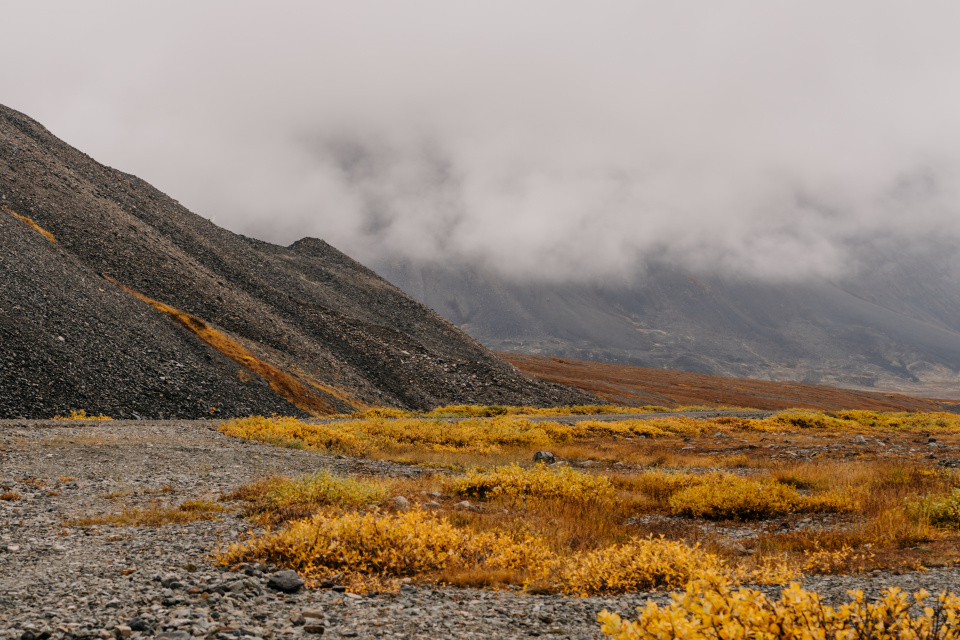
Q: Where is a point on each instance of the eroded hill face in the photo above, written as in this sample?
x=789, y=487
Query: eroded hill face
x=131, y=304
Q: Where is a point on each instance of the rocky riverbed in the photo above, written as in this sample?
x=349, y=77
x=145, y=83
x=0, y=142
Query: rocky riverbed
x=64, y=581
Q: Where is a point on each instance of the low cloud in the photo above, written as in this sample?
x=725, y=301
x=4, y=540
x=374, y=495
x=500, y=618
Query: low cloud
x=543, y=139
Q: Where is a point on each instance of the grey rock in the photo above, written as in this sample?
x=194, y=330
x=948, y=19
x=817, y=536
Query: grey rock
x=288, y=581
x=140, y=624
x=173, y=635
x=544, y=456
x=171, y=581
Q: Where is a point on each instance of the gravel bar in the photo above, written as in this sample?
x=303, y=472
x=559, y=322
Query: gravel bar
x=62, y=581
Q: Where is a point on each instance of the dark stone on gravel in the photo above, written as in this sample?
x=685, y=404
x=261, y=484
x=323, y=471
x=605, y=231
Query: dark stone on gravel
x=288, y=581
x=171, y=581
x=139, y=624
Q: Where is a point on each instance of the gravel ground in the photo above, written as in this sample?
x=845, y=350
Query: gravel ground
x=69, y=582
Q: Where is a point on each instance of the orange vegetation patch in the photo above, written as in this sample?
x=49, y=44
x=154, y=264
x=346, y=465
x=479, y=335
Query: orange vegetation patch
x=640, y=386
x=282, y=383
x=46, y=234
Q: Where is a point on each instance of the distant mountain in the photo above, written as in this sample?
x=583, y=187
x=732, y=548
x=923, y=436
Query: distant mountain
x=115, y=299
x=640, y=386
x=895, y=325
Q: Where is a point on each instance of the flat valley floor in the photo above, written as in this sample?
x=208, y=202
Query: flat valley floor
x=65, y=581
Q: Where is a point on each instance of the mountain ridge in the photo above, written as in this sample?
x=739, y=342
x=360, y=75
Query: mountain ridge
x=349, y=337
x=895, y=325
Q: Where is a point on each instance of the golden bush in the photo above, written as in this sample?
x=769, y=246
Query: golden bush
x=333, y=438
x=713, y=610
x=543, y=482
x=282, y=499
x=638, y=565
x=403, y=544
x=724, y=496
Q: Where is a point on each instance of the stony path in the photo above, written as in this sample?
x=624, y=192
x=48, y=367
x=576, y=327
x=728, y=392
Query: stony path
x=62, y=581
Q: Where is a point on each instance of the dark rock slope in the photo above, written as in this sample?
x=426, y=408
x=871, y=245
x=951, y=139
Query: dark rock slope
x=72, y=339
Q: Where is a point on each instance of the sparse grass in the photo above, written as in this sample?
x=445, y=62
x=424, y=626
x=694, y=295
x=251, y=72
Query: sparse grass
x=80, y=415
x=124, y=493
x=502, y=439
x=940, y=511
x=282, y=383
x=493, y=411
x=156, y=515
x=33, y=225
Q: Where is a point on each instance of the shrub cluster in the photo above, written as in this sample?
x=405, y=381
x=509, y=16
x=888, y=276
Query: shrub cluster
x=725, y=496
x=290, y=432
x=713, y=610
x=941, y=511
x=417, y=543
x=542, y=482
x=282, y=499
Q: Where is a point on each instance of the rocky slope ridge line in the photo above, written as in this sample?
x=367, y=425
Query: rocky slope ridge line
x=72, y=339
x=101, y=582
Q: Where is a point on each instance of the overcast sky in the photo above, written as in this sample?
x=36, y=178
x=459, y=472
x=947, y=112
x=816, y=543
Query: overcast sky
x=553, y=138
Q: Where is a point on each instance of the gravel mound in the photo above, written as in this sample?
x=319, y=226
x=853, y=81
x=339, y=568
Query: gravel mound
x=64, y=582
x=70, y=339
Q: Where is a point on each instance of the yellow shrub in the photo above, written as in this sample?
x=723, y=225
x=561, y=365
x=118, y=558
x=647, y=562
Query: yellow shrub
x=855, y=419
x=720, y=497
x=480, y=436
x=419, y=544
x=709, y=610
x=560, y=483
x=639, y=565
x=661, y=485
x=81, y=415
x=282, y=499
x=334, y=438
x=404, y=544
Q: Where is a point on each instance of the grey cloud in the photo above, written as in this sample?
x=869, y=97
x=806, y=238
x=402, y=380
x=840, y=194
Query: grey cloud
x=545, y=139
